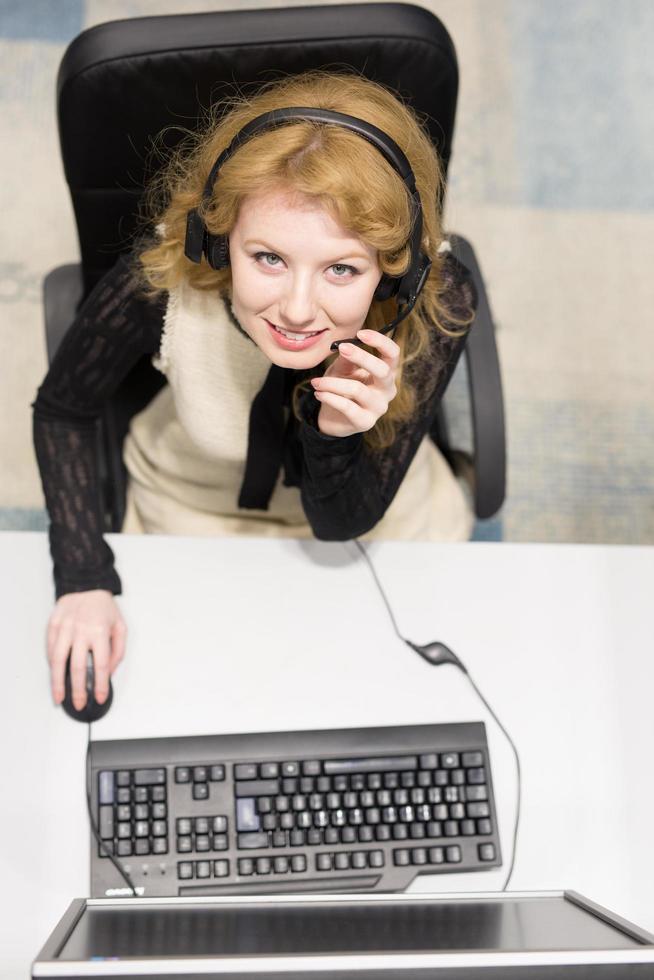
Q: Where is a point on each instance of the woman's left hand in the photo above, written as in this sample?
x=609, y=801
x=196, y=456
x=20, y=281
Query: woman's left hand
x=358, y=386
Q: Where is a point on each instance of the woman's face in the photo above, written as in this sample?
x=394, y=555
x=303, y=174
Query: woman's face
x=300, y=280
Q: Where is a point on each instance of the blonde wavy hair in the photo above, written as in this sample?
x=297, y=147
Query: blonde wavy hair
x=346, y=175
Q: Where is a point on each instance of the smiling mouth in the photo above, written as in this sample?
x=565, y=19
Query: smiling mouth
x=293, y=334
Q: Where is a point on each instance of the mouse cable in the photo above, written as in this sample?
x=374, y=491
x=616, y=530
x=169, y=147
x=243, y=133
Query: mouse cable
x=436, y=654
x=94, y=827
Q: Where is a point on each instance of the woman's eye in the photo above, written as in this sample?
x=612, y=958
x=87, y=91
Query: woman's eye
x=342, y=271
x=270, y=259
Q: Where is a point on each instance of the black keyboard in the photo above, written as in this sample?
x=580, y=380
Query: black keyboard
x=346, y=809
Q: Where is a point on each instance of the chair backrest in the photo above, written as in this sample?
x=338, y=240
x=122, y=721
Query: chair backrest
x=121, y=83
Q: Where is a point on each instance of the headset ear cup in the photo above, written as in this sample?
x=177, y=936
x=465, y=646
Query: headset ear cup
x=218, y=251
x=386, y=287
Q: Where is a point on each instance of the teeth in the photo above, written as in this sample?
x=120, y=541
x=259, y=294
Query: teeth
x=296, y=336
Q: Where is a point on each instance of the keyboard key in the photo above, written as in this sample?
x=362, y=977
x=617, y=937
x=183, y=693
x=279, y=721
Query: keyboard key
x=220, y=842
x=451, y=828
x=296, y=838
x=106, y=822
x=202, y=869
x=374, y=780
x=408, y=779
x=298, y=863
x=381, y=764
x=323, y=862
x=159, y=845
x=185, y=869
x=217, y=773
x=400, y=831
x=314, y=837
x=441, y=777
x=141, y=828
x=476, y=793
x=290, y=768
x=478, y=809
x=269, y=821
x=142, y=846
x=476, y=775
x=434, y=828
x=418, y=855
x=436, y=855
x=263, y=866
x=124, y=848
x=348, y=835
x=184, y=845
x=245, y=770
x=251, y=841
x=183, y=825
x=269, y=770
x=221, y=868
x=457, y=811
x=281, y=865
x=245, y=866
x=376, y=859
x=428, y=761
x=105, y=788
x=457, y=777
x=141, y=811
x=219, y=825
x=124, y=831
x=342, y=860
x=401, y=857
x=365, y=833
x=468, y=828
x=486, y=852
x=450, y=760
x=382, y=832
x=149, y=777
x=257, y=787
x=484, y=826
x=200, y=791
x=201, y=825
x=416, y=831
x=140, y=794
x=123, y=795
x=453, y=854
x=473, y=759
x=159, y=828
x=311, y=768
x=123, y=777
x=182, y=775
x=359, y=859
x=247, y=817
x=200, y=774
x=202, y=842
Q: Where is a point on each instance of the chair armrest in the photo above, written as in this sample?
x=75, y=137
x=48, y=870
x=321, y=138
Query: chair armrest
x=62, y=293
x=486, y=400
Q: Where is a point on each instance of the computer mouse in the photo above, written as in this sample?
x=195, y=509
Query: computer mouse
x=92, y=710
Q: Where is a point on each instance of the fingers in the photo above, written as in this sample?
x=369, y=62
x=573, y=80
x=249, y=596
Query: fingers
x=101, y=650
x=389, y=351
x=78, y=667
x=366, y=396
x=60, y=637
x=361, y=419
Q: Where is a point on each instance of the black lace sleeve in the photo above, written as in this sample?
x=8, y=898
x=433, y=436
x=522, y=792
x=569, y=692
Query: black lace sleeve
x=114, y=327
x=346, y=487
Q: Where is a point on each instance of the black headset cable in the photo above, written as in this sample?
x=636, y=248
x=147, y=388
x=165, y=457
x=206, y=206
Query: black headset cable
x=437, y=653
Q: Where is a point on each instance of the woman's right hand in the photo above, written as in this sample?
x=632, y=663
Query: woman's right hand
x=83, y=621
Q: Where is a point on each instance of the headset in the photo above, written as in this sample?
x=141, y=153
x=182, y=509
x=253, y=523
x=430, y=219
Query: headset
x=404, y=288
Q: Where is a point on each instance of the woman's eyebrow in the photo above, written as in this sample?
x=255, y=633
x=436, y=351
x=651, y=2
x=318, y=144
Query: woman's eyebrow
x=341, y=256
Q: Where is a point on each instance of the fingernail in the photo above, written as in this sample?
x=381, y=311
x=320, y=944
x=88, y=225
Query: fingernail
x=345, y=349
x=315, y=382
x=100, y=698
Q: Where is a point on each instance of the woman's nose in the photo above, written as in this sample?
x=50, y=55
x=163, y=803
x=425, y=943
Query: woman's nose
x=297, y=305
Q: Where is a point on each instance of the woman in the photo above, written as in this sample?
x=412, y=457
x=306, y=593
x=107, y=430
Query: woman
x=273, y=421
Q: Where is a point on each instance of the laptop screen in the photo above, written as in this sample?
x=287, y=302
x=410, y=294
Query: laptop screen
x=349, y=927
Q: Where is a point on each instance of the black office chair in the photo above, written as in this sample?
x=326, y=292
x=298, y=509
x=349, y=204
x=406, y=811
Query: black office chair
x=121, y=83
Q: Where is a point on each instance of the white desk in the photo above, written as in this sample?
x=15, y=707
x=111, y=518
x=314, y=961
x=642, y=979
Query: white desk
x=253, y=635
